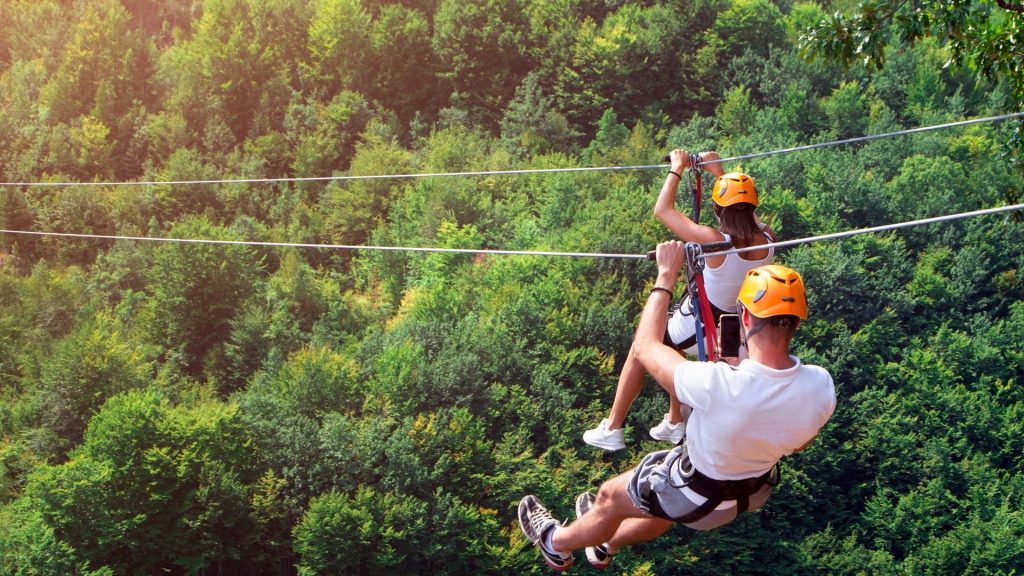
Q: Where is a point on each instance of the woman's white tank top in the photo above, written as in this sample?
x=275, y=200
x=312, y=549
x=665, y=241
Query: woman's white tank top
x=722, y=284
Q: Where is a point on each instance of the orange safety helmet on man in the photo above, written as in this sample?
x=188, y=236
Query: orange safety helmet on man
x=734, y=188
x=773, y=290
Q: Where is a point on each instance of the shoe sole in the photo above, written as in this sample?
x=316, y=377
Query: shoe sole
x=556, y=567
x=671, y=439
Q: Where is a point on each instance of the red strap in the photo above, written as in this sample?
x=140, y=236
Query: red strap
x=708, y=319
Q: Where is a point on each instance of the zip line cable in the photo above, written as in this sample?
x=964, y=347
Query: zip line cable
x=510, y=172
x=883, y=228
x=866, y=138
x=785, y=244
x=320, y=246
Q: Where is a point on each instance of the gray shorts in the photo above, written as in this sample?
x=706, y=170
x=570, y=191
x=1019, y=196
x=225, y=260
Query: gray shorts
x=663, y=476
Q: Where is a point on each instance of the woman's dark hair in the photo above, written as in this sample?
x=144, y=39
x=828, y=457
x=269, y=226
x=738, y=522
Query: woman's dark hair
x=738, y=222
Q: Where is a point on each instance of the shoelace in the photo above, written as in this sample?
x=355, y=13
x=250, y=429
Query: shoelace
x=538, y=517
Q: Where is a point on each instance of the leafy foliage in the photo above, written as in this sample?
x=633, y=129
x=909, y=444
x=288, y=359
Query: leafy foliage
x=221, y=408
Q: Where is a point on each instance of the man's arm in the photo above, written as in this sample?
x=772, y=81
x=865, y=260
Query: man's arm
x=658, y=359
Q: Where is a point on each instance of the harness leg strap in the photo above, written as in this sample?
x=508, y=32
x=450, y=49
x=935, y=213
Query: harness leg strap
x=700, y=511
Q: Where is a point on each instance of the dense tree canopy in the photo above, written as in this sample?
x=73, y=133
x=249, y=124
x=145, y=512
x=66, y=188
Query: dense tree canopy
x=238, y=409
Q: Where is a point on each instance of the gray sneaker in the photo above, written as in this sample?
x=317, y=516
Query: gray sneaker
x=597, y=555
x=535, y=521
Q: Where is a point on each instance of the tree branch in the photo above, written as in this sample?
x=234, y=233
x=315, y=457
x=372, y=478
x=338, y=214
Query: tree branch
x=1005, y=4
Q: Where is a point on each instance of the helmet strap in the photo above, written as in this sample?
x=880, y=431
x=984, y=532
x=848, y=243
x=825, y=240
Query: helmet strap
x=758, y=326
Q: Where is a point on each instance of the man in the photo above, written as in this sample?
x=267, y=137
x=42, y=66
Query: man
x=743, y=420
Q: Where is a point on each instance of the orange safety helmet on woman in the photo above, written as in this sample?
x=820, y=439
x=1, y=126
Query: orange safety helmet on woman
x=773, y=290
x=734, y=188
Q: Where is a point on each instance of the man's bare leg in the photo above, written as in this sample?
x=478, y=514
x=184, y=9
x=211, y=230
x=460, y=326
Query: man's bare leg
x=599, y=525
x=633, y=530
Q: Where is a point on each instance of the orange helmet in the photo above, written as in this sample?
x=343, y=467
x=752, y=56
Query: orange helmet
x=773, y=290
x=733, y=188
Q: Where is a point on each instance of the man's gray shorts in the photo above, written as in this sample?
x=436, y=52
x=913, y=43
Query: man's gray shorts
x=663, y=475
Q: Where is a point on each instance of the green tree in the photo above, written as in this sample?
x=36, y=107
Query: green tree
x=985, y=36
x=403, y=66
x=531, y=125
x=638, y=61
x=153, y=488
x=483, y=47
x=845, y=110
x=339, y=46
x=17, y=214
x=240, y=53
x=369, y=533
x=324, y=136
x=196, y=289
x=74, y=209
x=28, y=545
x=735, y=28
x=354, y=209
x=90, y=365
x=104, y=65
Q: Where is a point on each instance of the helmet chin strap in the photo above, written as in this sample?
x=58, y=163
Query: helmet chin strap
x=748, y=335
x=776, y=322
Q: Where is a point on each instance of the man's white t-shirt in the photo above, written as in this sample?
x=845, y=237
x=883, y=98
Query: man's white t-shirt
x=745, y=418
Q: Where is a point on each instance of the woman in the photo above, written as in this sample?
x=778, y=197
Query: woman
x=735, y=198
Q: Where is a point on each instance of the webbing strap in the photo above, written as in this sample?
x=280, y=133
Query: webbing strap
x=694, y=268
x=710, y=332
x=706, y=333
x=699, y=302
x=696, y=194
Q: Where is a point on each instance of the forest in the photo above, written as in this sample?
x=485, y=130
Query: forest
x=238, y=409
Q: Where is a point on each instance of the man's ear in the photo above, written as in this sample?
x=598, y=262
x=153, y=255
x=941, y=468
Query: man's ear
x=744, y=316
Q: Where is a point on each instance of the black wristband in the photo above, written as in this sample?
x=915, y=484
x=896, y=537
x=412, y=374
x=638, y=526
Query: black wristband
x=657, y=288
x=676, y=174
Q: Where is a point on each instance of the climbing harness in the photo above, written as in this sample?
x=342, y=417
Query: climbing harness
x=696, y=298
x=676, y=471
x=703, y=316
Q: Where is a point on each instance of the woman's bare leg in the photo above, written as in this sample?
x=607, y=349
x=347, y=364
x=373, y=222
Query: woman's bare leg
x=631, y=382
x=678, y=412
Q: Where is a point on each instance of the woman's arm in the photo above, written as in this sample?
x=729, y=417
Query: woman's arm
x=665, y=207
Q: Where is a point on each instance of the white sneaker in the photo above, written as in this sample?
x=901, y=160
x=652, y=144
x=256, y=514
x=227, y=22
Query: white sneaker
x=668, y=431
x=604, y=438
